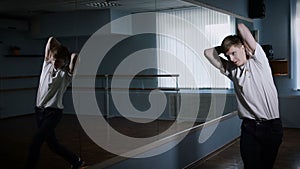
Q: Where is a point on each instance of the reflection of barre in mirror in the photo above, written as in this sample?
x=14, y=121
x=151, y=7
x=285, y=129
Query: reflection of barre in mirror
x=176, y=111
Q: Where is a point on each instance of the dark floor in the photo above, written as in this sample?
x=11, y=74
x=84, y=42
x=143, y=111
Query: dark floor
x=16, y=134
x=288, y=155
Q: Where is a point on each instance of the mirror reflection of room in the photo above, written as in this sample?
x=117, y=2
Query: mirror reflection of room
x=141, y=89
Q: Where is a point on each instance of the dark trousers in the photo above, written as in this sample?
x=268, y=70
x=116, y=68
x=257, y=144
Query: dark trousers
x=47, y=120
x=260, y=142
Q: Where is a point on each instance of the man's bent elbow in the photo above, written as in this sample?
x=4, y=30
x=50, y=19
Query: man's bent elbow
x=208, y=53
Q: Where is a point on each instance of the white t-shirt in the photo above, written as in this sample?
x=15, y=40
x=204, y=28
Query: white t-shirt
x=52, y=86
x=255, y=89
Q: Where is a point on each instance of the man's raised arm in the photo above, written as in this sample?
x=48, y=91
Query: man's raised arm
x=73, y=62
x=212, y=54
x=247, y=37
x=52, y=43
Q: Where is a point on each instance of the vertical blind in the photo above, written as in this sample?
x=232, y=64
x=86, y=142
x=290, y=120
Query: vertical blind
x=213, y=25
x=297, y=41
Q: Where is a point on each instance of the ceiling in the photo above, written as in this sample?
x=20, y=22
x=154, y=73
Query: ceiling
x=28, y=8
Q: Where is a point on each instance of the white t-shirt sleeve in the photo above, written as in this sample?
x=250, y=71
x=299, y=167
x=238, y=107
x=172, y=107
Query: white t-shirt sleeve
x=260, y=56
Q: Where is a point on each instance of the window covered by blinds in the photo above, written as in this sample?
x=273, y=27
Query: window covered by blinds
x=213, y=27
x=297, y=42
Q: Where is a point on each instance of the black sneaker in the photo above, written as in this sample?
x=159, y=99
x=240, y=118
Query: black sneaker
x=80, y=164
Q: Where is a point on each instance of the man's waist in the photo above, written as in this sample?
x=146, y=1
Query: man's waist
x=40, y=108
x=261, y=121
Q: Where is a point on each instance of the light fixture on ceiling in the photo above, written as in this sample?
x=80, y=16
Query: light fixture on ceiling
x=103, y=4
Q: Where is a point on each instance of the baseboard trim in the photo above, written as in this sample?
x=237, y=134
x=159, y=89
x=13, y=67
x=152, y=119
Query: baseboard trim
x=211, y=155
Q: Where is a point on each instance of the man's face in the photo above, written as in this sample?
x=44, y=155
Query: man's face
x=237, y=55
x=58, y=63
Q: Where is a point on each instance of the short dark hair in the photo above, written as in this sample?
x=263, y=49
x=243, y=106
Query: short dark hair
x=61, y=52
x=230, y=41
